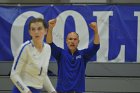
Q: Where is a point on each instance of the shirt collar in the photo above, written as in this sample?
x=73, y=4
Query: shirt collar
x=33, y=43
x=73, y=53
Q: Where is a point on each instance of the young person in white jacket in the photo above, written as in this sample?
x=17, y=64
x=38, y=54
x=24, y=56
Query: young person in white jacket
x=29, y=70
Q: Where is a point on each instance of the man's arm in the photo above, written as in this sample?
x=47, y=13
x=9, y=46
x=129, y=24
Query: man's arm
x=93, y=26
x=55, y=50
x=92, y=50
x=51, y=25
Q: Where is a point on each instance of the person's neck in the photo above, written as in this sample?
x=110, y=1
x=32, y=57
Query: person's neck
x=38, y=45
x=72, y=51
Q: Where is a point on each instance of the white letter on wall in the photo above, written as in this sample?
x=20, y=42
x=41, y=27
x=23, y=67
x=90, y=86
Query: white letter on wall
x=138, y=36
x=81, y=29
x=103, y=27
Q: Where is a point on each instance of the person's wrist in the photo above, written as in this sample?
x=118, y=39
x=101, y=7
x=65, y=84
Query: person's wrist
x=54, y=92
x=29, y=92
x=96, y=32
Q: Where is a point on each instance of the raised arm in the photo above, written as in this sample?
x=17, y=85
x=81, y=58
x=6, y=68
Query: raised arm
x=51, y=25
x=93, y=26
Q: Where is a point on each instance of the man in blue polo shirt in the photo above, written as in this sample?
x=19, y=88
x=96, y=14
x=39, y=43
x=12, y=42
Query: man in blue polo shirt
x=72, y=62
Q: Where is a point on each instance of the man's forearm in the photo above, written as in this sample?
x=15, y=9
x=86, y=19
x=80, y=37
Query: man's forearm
x=96, y=38
x=49, y=37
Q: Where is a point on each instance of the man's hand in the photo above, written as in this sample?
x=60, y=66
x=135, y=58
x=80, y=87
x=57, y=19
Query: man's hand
x=51, y=24
x=93, y=25
x=29, y=92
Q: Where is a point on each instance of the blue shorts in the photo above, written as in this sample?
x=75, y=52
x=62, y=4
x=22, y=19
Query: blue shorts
x=15, y=90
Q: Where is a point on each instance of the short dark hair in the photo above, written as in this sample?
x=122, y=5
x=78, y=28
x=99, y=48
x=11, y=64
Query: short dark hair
x=33, y=20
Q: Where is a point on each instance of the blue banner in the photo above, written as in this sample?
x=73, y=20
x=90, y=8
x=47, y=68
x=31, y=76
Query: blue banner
x=118, y=25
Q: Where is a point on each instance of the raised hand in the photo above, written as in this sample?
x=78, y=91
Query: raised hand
x=51, y=24
x=93, y=26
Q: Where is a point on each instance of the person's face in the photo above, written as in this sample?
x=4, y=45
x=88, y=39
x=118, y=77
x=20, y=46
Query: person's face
x=37, y=31
x=72, y=41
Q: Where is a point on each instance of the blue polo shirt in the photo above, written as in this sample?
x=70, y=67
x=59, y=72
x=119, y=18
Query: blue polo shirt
x=71, y=68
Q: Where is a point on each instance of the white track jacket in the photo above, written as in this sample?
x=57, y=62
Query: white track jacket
x=30, y=68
